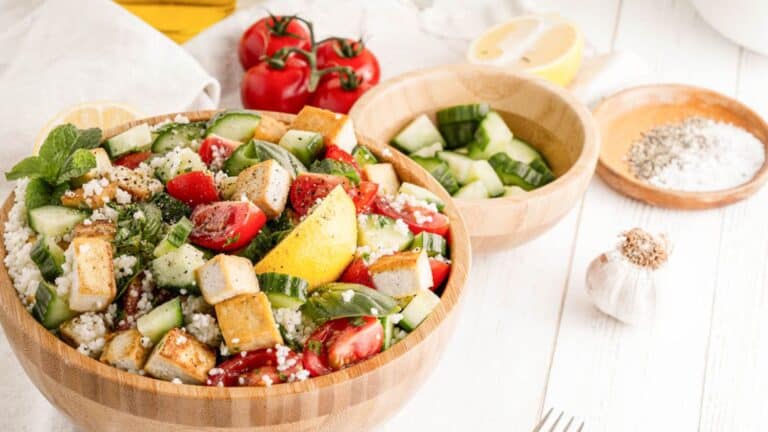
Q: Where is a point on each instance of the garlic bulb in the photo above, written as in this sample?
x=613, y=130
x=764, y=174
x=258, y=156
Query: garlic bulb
x=624, y=283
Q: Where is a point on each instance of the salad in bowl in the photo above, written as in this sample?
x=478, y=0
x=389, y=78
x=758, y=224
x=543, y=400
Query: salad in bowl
x=237, y=251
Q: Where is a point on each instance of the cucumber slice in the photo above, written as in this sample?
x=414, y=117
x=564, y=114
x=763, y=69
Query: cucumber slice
x=514, y=173
x=510, y=191
x=440, y=171
x=483, y=171
x=389, y=330
x=161, y=319
x=242, y=158
x=474, y=190
x=283, y=291
x=48, y=256
x=135, y=139
x=178, y=135
x=462, y=113
x=363, y=156
x=458, y=134
x=267, y=150
x=176, y=236
x=335, y=167
x=521, y=151
x=305, y=145
x=235, y=125
x=458, y=164
x=433, y=244
x=422, y=194
x=429, y=151
x=178, y=162
x=543, y=169
x=382, y=233
x=333, y=300
x=176, y=269
x=50, y=309
x=492, y=129
x=55, y=221
x=419, y=309
x=418, y=134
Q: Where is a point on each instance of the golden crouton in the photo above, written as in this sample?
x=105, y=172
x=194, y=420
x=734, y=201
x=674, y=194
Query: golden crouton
x=270, y=129
x=179, y=355
x=76, y=198
x=337, y=129
x=226, y=276
x=265, y=184
x=139, y=185
x=125, y=351
x=402, y=274
x=247, y=323
x=102, y=229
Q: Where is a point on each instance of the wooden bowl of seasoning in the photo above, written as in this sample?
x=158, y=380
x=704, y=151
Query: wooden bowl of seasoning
x=98, y=397
x=536, y=111
x=681, y=147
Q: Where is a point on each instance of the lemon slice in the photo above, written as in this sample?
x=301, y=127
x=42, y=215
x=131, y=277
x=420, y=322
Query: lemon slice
x=102, y=115
x=545, y=45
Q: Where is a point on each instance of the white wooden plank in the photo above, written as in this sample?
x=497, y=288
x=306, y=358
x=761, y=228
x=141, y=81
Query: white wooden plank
x=649, y=377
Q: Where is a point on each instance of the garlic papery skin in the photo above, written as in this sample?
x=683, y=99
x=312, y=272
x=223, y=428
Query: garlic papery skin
x=625, y=283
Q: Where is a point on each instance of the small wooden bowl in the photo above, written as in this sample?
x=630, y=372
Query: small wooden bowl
x=538, y=112
x=624, y=116
x=97, y=397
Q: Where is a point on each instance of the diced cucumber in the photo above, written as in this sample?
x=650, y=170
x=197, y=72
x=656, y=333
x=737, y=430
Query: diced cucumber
x=178, y=135
x=433, y=244
x=242, y=158
x=382, y=233
x=335, y=167
x=235, y=125
x=492, y=129
x=50, y=309
x=48, y=256
x=388, y=322
x=161, y=319
x=339, y=300
x=418, y=134
x=474, y=190
x=458, y=164
x=483, y=171
x=462, y=113
x=521, y=151
x=514, y=191
x=187, y=161
x=419, y=309
x=458, y=134
x=55, y=221
x=283, y=291
x=305, y=145
x=543, y=169
x=464, y=151
x=422, y=194
x=515, y=173
x=429, y=151
x=440, y=171
x=267, y=150
x=176, y=236
x=135, y=139
x=363, y=156
x=176, y=269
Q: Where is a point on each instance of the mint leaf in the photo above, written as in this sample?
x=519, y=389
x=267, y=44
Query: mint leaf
x=59, y=145
x=79, y=163
x=38, y=194
x=87, y=139
x=32, y=167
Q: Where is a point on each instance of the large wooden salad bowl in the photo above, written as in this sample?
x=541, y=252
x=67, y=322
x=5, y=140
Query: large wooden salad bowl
x=97, y=397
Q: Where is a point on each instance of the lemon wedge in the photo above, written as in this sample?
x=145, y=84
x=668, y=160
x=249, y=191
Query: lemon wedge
x=545, y=45
x=102, y=115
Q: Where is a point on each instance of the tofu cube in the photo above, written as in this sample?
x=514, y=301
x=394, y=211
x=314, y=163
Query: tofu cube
x=247, y=323
x=403, y=274
x=226, y=276
x=265, y=184
x=77, y=199
x=125, y=351
x=385, y=176
x=139, y=185
x=270, y=129
x=179, y=355
x=92, y=285
x=102, y=229
x=337, y=129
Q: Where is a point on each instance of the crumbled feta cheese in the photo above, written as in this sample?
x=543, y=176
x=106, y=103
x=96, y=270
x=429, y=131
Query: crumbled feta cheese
x=223, y=349
x=386, y=152
x=181, y=339
x=266, y=380
x=241, y=380
x=235, y=340
x=401, y=200
x=374, y=311
x=177, y=381
x=93, y=188
x=123, y=265
x=123, y=197
x=68, y=273
x=370, y=256
x=347, y=295
x=138, y=215
x=401, y=227
x=181, y=119
x=218, y=156
x=396, y=318
x=295, y=328
x=215, y=371
x=104, y=213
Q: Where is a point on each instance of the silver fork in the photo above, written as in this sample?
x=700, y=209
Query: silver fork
x=540, y=427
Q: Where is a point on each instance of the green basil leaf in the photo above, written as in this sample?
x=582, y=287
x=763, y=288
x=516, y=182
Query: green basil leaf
x=79, y=163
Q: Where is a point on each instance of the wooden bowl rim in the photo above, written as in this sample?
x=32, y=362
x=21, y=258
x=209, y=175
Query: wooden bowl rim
x=584, y=164
x=701, y=200
x=10, y=305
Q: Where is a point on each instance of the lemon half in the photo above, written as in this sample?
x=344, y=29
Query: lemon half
x=545, y=45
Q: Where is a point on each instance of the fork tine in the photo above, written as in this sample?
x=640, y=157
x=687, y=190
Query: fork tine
x=557, y=420
x=568, y=425
x=543, y=420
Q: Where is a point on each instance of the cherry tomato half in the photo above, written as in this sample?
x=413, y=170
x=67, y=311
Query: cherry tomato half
x=342, y=342
x=193, y=188
x=310, y=187
x=336, y=153
x=363, y=195
x=223, y=146
x=357, y=272
x=268, y=35
x=133, y=160
x=332, y=95
x=263, y=360
x=418, y=219
x=440, y=272
x=226, y=225
x=350, y=53
x=273, y=88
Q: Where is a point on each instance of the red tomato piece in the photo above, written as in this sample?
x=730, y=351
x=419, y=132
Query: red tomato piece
x=193, y=188
x=133, y=160
x=332, y=95
x=418, y=219
x=269, y=34
x=310, y=187
x=363, y=195
x=276, y=88
x=342, y=342
x=241, y=364
x=440, y=272
x=224, y=147
x=226, y=225
x=336, y=153
x=350, y=53
x=357, y=272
